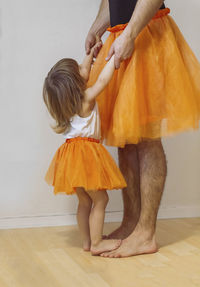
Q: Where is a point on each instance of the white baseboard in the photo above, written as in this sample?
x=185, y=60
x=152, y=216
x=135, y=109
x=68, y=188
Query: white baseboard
x=49, y=220
x=70, y=219
x=179, y=212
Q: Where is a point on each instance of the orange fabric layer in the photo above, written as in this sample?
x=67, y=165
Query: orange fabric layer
x=83, y=163
x=159, y=14
x=156, y=92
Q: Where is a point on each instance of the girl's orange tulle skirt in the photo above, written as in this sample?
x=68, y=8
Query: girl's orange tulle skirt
x=156, y=92
x=83, y=162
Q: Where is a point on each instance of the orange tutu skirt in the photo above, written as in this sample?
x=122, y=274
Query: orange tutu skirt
x=83, y=162
x=156, y=92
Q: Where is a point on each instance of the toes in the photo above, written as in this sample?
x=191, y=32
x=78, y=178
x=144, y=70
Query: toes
x=107, y=254
x=104, y=254
x=114, y=254
x=111, y=254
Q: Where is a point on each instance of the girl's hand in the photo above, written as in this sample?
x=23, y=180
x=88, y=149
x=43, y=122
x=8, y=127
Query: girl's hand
x=93, y=41
x=85, y=67
x=96, y=48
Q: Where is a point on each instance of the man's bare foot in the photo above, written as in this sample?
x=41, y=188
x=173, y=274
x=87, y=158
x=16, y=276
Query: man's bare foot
x=104, y=246
x=86, y=245
x=121, y=232
x=135, y=244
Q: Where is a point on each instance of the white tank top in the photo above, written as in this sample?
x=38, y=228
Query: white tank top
x=85, y=127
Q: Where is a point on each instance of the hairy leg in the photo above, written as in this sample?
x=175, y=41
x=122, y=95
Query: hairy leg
x=129, y=166
x=153, y=170
x=83, y=213
x=96, y=221
x=152, y=179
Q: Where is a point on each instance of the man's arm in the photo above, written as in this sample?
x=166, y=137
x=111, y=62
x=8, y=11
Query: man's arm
x=98, y=28
x=143, y=13
x=123, y=46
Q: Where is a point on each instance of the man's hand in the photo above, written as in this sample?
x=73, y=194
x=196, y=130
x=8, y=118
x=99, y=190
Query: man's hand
x=98, y=28
x=93, y=40
x=122, y=48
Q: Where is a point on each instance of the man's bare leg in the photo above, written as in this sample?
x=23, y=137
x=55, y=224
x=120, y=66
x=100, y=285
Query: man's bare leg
x=129, y=166
x=152, y=179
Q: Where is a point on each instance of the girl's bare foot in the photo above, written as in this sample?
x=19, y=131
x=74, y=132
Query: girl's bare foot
x=104, y=246
x=86, y=245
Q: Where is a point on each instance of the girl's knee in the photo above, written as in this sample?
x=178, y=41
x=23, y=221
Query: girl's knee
x=84, y=199
x=85, y=204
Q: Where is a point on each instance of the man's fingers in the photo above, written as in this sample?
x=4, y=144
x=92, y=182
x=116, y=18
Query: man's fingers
x=99, y=44
x=97, y=49
x=87, y=47
x=92, y=41
x=110, y=53
x=98, y=39
x=117, y=61
x=89, y=43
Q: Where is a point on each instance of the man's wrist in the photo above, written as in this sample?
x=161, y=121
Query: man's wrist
x=130, y=32
x=98, y=31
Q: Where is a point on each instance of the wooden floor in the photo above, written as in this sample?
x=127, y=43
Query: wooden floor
x=52, y=257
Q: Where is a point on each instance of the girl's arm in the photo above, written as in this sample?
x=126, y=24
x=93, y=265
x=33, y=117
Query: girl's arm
x=85, y=67
x=102, y=81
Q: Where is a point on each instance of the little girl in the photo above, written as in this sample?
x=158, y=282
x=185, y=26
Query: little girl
x=82, y=165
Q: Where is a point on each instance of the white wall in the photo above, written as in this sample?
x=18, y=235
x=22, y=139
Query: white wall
x=33, y=36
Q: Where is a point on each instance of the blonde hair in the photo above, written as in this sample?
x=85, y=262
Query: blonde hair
x=63, y=92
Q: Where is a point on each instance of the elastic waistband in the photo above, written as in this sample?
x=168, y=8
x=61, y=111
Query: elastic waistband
x=82, y=139
x=159, y=14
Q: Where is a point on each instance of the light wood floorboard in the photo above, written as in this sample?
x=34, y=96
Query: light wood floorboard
x=53, y=257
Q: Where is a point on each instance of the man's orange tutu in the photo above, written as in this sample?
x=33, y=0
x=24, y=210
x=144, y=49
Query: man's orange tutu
x=156, y=92
x=83, y=162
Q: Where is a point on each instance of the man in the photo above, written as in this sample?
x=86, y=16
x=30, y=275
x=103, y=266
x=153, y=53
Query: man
x=142, y=161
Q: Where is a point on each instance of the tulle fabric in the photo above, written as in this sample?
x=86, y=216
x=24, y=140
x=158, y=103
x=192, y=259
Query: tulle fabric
x=156, y=92
x=83, y=162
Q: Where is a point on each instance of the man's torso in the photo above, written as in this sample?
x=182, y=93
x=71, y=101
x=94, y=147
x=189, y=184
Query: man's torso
x=122, y=10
